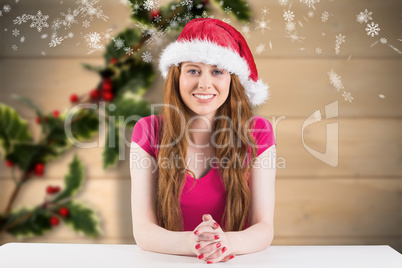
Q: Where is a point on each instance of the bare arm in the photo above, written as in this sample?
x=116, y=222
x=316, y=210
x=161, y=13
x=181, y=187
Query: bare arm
x=147, y=234
x=260, y=234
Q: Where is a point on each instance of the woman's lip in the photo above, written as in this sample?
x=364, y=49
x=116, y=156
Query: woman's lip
x=202, y=100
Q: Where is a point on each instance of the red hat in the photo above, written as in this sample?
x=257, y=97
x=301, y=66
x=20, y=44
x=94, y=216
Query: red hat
x=214, y=42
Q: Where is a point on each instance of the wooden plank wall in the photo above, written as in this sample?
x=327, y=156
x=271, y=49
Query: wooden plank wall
x=359, y=201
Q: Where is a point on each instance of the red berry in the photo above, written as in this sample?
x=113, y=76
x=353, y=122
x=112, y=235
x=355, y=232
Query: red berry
x=113, y=60
x=73, y=98
x=56, y=113
x=94, y=94
x=54, y=221
x=63, y=211
x=49, y=190
x=108, y=96
x=39, y=169
x=56, y=189
x=107, y=85
x=38, y=120
x=9, y=163
x=155, y=13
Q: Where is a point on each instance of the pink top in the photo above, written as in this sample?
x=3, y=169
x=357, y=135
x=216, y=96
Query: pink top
x=208, y=194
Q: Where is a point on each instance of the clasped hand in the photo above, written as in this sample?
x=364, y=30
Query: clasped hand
x=209, y=242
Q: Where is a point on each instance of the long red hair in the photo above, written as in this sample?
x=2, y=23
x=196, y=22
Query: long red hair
x=172, y=175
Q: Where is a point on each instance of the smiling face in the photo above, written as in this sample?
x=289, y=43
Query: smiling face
x=210, y=83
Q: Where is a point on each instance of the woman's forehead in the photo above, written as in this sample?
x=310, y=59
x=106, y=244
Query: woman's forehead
x=197, y=64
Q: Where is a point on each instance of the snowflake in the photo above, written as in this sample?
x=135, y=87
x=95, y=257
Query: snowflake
x=118, y=43
x=294, y=37
x=335, y=80
x=263, y=24
x=372, y=29
x=23, y=19
x=324, y=16
x=283, y=2
x=39, y=21
x=227, y=20
x=381, y=96
x=93, y=38
x=246, y=31
x=6, y=8
x=364, y=16
x=310, y=14
x=44, y=36
x=55, y=40
x=228, y=10
x=158, y=18
x=108, y=34
x=260, y=48
x=43, y=53
x=265, y=11
x=173, y=24
x=85, y=23
x=151, y=4
x=199, y=6
x=22, y=40
x=129, y=51
x=157, y=36
x=146, y=56
x=383, y=41
x=347, y=96
x=290, y=26
x=56, y=24
x=318, y=50
x=14, y=47
x=69, y=18
x=310, y=3
x=86, y=8
x=339, y=40
x=16, y=32
x=288, y=15
x=317, y=115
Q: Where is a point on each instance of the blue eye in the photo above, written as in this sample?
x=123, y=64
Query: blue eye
x=220, y=72
x=190, y=71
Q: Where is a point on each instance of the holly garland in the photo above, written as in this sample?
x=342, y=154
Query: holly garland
x=124, y=79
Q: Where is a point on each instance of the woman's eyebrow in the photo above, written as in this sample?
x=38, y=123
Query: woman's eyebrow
x=187, y=65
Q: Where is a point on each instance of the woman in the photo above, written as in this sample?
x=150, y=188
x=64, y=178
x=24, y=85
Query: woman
x=207, y=192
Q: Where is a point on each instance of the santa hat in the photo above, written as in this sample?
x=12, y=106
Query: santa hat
x=214, y=42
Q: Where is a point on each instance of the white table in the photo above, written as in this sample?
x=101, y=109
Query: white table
x=121, y=256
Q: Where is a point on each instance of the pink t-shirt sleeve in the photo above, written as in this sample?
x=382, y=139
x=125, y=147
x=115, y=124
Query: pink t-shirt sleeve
x=144, y=134
x=263, y=134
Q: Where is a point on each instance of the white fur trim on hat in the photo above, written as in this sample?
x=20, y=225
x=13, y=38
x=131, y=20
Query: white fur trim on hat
x=210, y=53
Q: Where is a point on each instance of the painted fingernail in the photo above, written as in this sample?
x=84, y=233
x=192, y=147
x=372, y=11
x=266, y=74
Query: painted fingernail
x=216, y=225
x=209, y=262
x=197, y=246
x=201, y=256
x=218, y=245
x=231, y=257
x=216, y=236
x=224, y=249
x=196, y=232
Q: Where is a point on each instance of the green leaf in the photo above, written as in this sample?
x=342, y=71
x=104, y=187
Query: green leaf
x=73, y=180
x=82, y=219
x=84, y=124
x=111, y=151
x=239, y=8
x=33, y=106
x=130, y=38
x=91, y=68
x=129, y=106
x=36, y=224
x=26, y=155
x=12, y=129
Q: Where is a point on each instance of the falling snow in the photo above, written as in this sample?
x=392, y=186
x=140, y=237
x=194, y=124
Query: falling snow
x=317, y=115
x=69, y=18
x=85, y=24
x=86, y=8
x=310, y=3
x=262, y=25
x=347, y=96
x=260, y=48
x=246, y=31
x=151, y=4
x=335, y=80
x=372, y=29
x=16, y=32
x=147, y=56
x=339, y=40
x=6, y=8
x=325, y=16
x=290, y=26
x=118, y=43
x=129, y=51
x=288, y=15
x=283, y=2
x=14, y=47
x=364, y=16
x=39, y=21
x=318, y=50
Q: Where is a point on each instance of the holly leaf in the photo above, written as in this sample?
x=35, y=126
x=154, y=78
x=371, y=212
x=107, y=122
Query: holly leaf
x=33, y=106
x=239, y=8
x=73, y=180
x=26, y=155
x=131, y=107
x=111, y=151
x=12, y=129
x=82, y=219
x=84, y=124
x=28, y=222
